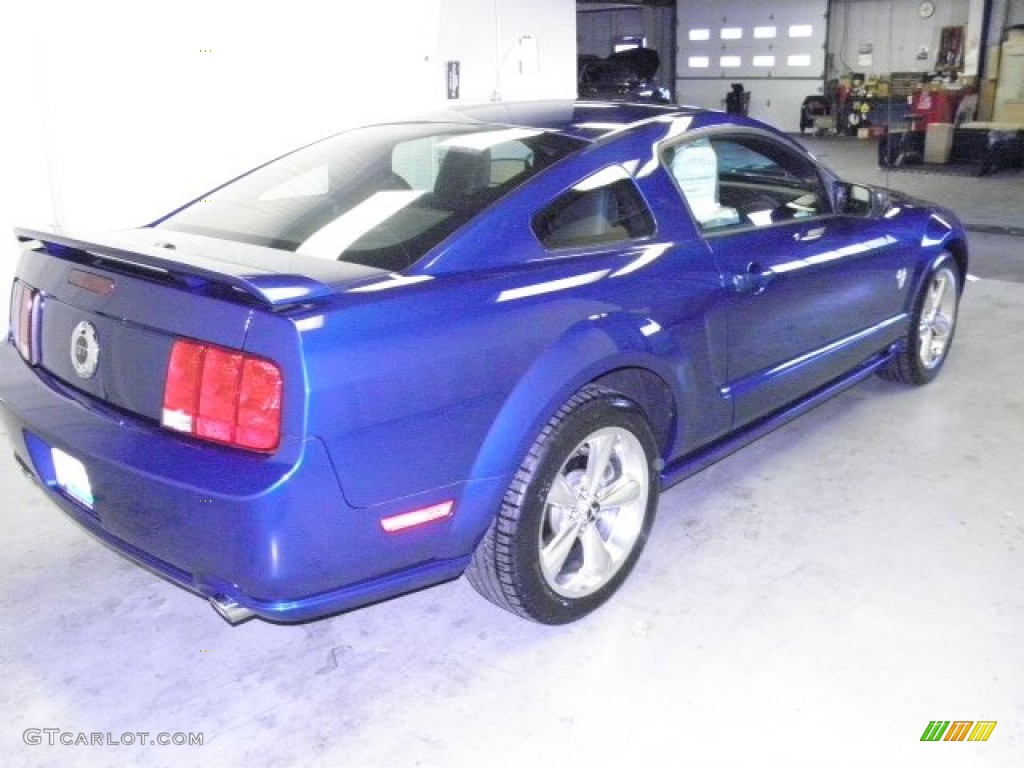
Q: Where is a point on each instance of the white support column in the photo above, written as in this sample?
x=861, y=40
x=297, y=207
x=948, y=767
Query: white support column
x=972, y=42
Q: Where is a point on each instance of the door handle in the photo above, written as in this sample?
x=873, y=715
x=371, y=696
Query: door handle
x=754, y=280
x=811, y=234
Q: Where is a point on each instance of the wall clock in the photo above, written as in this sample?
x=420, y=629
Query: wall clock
x=925, y=10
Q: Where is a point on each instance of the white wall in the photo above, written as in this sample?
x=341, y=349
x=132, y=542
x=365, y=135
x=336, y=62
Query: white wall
x=116, y=111
x=895, y=32
x=488, y=39
x=1005, y=13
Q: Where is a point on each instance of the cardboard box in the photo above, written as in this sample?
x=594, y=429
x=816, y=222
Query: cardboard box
x=938, y=142
x=1010, y=111
x=992, y=62
x=825, y=124
x=986, y=101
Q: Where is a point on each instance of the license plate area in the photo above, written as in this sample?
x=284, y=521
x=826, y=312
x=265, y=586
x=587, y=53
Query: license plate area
x=72, y=478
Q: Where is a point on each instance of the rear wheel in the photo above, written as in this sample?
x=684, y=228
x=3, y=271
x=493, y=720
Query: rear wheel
x=932, y=325
x=576, y=515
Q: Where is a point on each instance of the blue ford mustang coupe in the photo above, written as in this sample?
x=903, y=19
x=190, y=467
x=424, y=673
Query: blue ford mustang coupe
x=480, y=343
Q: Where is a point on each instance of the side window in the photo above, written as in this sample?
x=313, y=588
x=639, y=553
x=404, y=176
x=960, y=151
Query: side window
x=603, y=208
x=745, y=181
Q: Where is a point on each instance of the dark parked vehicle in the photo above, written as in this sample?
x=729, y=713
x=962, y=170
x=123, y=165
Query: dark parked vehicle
x=481, y=345
x=812, y=108
x=624, y=76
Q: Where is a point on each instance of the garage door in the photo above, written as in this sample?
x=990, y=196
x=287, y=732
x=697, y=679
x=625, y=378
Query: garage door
x=776, y=50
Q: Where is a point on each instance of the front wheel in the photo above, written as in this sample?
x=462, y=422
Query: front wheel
x=575, y=516
x=932, y=324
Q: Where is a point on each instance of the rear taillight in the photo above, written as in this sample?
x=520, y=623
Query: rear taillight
x=24, y=319
x=223, y=396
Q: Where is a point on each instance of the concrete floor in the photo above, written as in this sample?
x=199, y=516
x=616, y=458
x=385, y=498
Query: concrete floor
x=814, y=600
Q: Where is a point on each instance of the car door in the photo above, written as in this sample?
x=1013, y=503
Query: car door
x=810, y=293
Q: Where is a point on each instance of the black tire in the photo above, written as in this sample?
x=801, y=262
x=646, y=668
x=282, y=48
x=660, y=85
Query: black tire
x=932, y=325
x=556, y=562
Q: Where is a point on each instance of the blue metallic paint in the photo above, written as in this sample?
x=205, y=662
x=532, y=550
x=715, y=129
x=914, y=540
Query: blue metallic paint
x=407, y=390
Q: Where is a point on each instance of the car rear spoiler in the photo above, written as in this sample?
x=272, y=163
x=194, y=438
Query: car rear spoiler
x=273, y=289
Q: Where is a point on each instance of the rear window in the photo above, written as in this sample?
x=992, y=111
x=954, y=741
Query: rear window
x=380, y=196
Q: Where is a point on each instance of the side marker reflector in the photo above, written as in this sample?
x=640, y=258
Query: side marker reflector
x=417, y=517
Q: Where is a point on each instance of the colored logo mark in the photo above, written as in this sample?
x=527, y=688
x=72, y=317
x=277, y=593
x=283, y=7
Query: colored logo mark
x=958, y=730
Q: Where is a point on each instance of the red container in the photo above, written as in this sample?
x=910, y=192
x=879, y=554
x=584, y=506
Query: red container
x=934, y=106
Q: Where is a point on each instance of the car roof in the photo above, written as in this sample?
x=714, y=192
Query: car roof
x=583, y=119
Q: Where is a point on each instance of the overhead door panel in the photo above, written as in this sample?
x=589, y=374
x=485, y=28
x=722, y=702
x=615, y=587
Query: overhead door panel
x=779, y=45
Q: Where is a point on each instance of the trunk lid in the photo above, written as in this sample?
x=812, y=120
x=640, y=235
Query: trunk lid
x=108, y=310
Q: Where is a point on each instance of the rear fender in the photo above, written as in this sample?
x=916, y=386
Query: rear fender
x=597, y=349
x=584, y=353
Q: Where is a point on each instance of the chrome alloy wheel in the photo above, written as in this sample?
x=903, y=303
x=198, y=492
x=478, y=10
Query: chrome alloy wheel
x=594, y=512
x=938, y=318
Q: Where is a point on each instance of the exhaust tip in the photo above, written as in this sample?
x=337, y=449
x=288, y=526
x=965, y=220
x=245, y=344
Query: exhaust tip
x=232, y=612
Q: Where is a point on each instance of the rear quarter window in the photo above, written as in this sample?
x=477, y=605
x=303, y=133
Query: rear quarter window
x=603, y=208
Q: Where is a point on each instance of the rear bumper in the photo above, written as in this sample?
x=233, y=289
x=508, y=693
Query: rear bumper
x=275, y=535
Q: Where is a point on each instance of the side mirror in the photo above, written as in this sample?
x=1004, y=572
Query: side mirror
x=856, y=200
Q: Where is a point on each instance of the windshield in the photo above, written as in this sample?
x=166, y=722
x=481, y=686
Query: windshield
x=380, y=196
